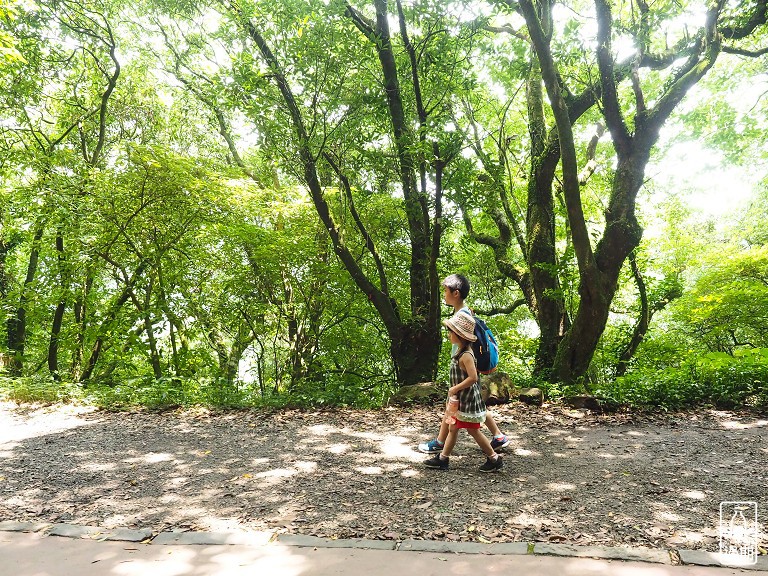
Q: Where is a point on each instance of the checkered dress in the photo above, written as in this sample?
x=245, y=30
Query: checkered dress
x=471, y=405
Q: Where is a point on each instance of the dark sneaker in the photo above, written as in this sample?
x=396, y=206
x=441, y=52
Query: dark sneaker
x=499, y=443
x=492, y=465
x=431, y=447
x=437, y=462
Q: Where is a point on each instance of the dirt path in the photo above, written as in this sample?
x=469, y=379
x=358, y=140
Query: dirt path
x=569, y=476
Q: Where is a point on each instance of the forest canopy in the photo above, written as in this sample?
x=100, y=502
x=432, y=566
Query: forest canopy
x=255, y=201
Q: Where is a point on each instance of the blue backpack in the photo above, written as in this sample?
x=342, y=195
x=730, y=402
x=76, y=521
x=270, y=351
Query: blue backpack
x=486, y=348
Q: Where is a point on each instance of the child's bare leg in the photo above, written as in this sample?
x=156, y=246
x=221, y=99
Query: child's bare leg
x=482, y=441
x=493, y=428
x=443, y=434
x=450, y=440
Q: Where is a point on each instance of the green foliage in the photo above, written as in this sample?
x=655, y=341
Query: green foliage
x=39, y=388
x=717, y=379
x=727, y=307
x=9, y=54
x=172, y=392
x=186, y=275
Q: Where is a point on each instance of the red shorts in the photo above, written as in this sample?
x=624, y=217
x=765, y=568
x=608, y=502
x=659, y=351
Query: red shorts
x=460, y=424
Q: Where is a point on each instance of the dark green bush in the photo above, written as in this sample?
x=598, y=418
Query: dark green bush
x=715, y=378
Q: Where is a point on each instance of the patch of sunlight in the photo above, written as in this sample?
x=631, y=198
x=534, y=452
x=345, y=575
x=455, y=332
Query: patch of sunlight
x=39, y=422
x=735, y=425
x=396, y=447
x=169, y=498
x=115, y=521
x=560, y=486
x=226, y=525
x=305, y=466
x=257, y=461
x=574, y=439
x=98, y=467
x=178, y=481
x=338, y=448
x=151, y=458
x=694, y=494
x=277, y=473
x=282, y=560
x=666, y=516
x=635, y=433
x=365, y=435
x=369, y=470
x=322, y=429
x=606, y=455
x=409, y=473
x=17, y=501
x=692, y=536
x=524, y=452
x=326, y=430
x=178, y=561
x=525, y=519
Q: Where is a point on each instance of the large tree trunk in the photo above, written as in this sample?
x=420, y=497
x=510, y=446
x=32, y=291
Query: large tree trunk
x=414, y=343
x=599, y=269
x=415, y=352
x=547, y=301
x=598, y=287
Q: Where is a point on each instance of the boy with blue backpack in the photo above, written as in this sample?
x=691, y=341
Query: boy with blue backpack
x=455, y=291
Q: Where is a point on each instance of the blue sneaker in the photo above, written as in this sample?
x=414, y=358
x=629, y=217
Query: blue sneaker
x=499, y=443
x=432, y=447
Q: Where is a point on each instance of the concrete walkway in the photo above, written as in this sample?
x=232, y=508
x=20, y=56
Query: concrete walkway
x=27, y=550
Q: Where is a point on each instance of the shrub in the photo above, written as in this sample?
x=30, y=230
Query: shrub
x=714, y=378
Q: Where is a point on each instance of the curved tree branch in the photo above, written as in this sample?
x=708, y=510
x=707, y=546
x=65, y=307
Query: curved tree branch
x=581, y=240
x=369, y=243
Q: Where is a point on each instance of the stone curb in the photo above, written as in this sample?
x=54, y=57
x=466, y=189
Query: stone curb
x=518, y=548
x=650, y=555
x=95, y=533
x=604, y=552
x=315, y=542
x=704, y=558
x=12, y=526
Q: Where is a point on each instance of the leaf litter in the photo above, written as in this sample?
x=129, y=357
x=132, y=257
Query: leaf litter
x=569, y=476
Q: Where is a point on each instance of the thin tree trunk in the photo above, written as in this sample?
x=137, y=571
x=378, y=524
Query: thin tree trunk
x=154, y=355
x=58, y=315
x=17, y=324
x=80, y=310
x=110, y=317
x=641, y=327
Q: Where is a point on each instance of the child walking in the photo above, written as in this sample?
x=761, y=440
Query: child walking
x=471, y=409
x=455, y=291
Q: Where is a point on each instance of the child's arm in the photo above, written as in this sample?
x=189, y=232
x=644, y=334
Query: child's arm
x=467, y=362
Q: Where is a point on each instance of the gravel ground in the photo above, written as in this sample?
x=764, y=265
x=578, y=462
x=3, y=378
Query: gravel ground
x=569, y=476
